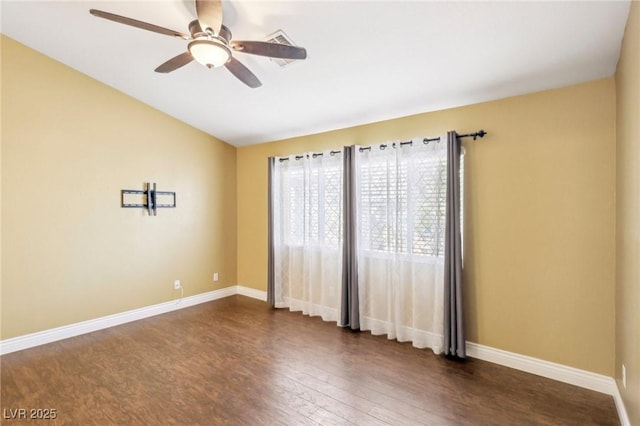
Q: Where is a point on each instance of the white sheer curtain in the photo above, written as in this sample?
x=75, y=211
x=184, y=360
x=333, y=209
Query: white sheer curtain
x=400, y=203
x=307, y=233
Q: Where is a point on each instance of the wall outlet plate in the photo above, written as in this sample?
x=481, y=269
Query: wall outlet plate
x=216, y=277
x=624, y=376
x=176, y=285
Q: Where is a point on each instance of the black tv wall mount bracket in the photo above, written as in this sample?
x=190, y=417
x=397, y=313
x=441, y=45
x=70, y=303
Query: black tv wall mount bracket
x=149, y=199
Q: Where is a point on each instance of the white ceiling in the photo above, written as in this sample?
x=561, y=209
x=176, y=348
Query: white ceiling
x=367, y=60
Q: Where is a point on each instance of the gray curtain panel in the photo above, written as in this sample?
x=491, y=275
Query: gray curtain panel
x=271, y=279
x=349, y=311
x=454, y=338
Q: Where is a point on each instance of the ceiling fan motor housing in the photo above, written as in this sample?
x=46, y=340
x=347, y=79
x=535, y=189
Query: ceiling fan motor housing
x=196, y=31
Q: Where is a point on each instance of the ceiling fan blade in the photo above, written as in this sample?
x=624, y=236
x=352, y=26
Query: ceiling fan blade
x=209, y=14
x=137, y=24
x=272, y=50
x=242, y=73
x=175, y=63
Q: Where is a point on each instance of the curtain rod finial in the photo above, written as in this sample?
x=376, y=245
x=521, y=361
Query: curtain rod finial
x=479, y=134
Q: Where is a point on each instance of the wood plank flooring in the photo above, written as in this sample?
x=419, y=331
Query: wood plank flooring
x=234, y=361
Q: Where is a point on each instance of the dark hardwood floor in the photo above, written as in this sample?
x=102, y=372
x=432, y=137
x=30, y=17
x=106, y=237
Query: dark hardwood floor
x=235, y=361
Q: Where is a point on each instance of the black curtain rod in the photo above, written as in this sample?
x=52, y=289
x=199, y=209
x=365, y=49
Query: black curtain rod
x=475, y=135
x=479, y=134
x=314, y=155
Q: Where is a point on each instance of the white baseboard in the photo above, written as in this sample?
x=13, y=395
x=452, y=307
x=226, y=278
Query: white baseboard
x=59, y=333
x=622, y=410
x=551, y=370
x=252, y=292
x=562, y=373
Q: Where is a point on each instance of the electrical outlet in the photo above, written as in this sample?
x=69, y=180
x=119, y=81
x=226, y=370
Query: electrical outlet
x=177, y=285
x=216, y=277
x=624, y=376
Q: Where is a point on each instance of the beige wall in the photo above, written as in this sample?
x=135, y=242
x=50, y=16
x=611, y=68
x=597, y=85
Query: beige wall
x=628, y=216
x=69, y=145
x=539, y=261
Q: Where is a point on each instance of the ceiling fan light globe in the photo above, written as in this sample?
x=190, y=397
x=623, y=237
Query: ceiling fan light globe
x=210, y=53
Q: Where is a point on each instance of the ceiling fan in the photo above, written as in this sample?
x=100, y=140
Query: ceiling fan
x=210, y=43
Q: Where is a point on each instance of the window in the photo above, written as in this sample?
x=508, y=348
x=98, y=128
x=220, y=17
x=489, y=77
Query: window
x=314, y=199
x=403, y=203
